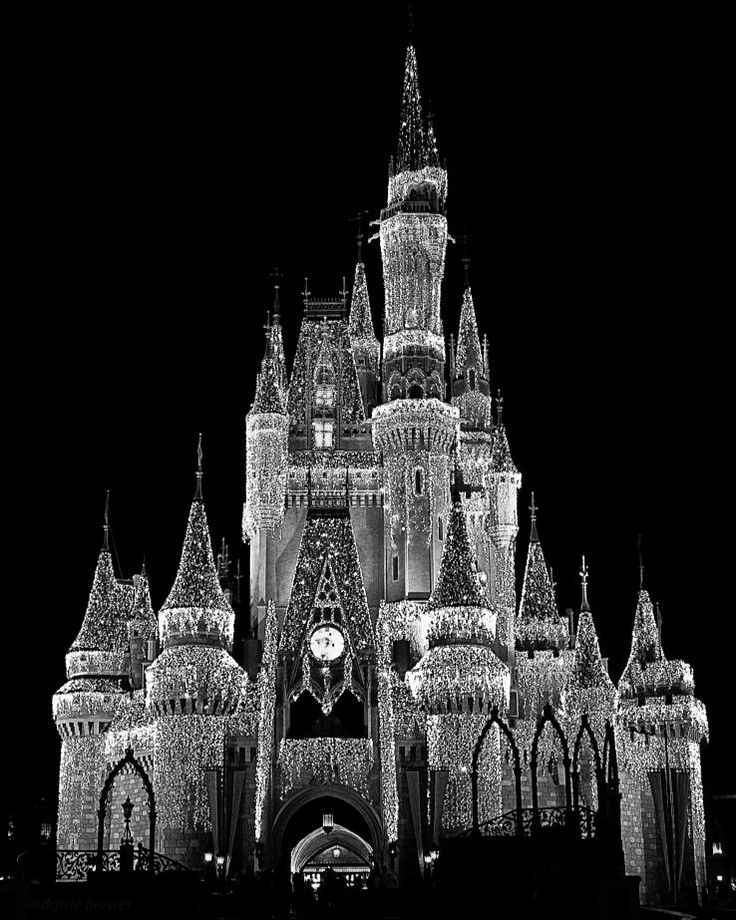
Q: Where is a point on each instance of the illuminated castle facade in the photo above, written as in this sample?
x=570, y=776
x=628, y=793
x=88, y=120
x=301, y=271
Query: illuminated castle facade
x=386, y=625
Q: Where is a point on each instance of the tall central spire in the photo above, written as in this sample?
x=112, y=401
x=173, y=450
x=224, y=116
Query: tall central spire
x=412, y=152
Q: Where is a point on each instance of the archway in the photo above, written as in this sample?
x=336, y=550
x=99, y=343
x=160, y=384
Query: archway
x=129, y=761
x=341, y=850
x=301, y=815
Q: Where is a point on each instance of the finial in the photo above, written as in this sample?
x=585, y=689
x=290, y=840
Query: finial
x=499, y=407
x=358, y=218
x=306, y=292
x=344, y=291
x=410, y=22
x=106, y=526
x=641, y=563
x=198, y=493
x=277, y=276
x=533, y=535
x=584, y=585
x=465, y=240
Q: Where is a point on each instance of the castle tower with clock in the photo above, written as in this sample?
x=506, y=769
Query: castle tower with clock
x=388, y=630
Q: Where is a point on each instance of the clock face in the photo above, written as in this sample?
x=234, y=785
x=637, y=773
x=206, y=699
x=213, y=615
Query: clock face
x=327, y=643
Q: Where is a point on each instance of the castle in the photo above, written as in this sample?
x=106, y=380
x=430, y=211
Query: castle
x=381, y=516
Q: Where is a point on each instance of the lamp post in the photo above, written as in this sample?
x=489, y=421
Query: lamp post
x=220, y=860
x=127, y=851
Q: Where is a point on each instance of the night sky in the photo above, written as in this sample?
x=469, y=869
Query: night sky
x=163, y=165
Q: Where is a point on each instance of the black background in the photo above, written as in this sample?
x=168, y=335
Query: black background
x=162, y=164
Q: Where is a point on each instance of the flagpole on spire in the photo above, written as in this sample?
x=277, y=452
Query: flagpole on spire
x=584, y=605
x=533, y=535
x=641, y=563
x=198, y=493
x=106, y=526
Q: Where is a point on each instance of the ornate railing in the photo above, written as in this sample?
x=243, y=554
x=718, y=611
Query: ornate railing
x=581, y=821
x=74, y=865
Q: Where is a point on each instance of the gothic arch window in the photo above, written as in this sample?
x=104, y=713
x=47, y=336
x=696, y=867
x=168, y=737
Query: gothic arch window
x=418, y=481
x=416, y=391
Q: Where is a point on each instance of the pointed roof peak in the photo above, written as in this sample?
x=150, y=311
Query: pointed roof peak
x=417, y=147
x=584, y=605
x=588, y=671
x=501, y=459
x=196, y=584
x=457, y=585
x=469, y=353
x=271, y=384
x=360, y=322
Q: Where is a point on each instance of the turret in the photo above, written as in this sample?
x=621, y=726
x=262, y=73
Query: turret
x=661, y=725
x=192, y=687
x=86, y=704
x=142, y=630
x=267, y=427
x=460, y=679
x=504, y=484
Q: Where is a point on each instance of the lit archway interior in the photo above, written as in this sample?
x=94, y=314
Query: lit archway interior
x=341, y=848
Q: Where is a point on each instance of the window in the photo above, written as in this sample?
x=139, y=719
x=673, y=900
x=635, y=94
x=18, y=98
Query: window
x=324, y=396
x=440, y=528
x=395, y=568
x=418, y=482
x=472, y=379
x=323, y=430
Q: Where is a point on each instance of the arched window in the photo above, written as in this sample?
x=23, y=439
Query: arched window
x=416, y=391
x=471, y=377
x=418, y=482
x=440, y=528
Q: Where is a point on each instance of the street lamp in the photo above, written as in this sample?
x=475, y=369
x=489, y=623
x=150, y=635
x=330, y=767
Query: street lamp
x=209, y=856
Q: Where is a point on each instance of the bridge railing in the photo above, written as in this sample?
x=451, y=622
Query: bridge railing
x=75, y=865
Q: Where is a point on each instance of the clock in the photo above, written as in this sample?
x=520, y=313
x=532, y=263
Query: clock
x=327, y=643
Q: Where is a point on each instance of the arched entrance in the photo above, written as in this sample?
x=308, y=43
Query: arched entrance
x=299, y=823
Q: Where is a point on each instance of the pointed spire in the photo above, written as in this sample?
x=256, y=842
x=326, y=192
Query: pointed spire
x=198, y=492
x=196, y=584
x=588, y=671
x=537, y=592
x=469, y=353
x=360, y=325
x=142, y=609
x=457, y=585
x=271, y=381
x=584, y=605
x=412, y=149
x=501, y=459
x=105, y=624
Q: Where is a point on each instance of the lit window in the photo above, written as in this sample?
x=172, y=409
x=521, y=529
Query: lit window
x=323, y=430
x=324, y=396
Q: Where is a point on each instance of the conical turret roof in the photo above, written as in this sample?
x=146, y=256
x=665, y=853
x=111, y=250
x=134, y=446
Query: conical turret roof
x=142, y=610
x=588, y=671
x=469, y=352
x=417, y=146
x=271, y=382
x=457, y=585
x=105, y=624
x=501, y=459
x=196, y=584
x=360, y=325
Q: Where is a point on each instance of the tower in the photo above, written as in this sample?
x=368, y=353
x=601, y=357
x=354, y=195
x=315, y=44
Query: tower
x=505, y=482
x=661, y=725
x=84, y=707
x=194, y=686
x=267, y=428
x=460, y=679
x=414, y=428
